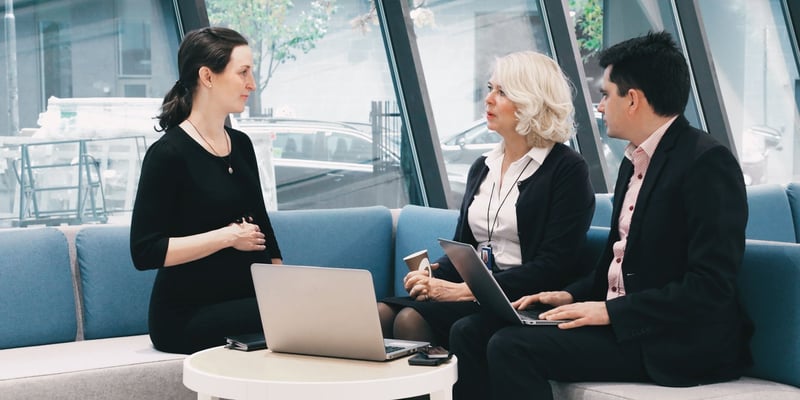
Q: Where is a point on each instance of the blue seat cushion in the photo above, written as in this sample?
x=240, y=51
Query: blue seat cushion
x=116, y=295
x=37, y=298
x=769, y=214
x=769, y=291
x=602, y=209
x=358, y=237
x=419, y=228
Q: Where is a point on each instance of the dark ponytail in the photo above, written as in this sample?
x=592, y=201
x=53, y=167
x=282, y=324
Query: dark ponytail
x=176, y=106
x=207, y=47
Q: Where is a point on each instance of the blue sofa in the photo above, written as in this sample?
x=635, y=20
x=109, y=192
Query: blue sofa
x=73, y=309
x=73, y=319
x=769, y=283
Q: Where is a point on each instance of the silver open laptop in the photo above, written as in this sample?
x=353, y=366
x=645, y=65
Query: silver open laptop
x=485, y=288
x=323, y=312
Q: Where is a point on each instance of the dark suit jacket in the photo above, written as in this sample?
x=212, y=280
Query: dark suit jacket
x=684, y=251
x=554, y=210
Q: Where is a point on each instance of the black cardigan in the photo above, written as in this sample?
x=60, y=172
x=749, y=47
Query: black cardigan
x=554, y=210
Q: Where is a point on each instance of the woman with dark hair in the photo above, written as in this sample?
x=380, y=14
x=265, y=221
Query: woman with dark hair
x=199, y=216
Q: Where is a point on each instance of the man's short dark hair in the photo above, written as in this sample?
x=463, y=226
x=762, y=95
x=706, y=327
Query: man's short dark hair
x=653, y=64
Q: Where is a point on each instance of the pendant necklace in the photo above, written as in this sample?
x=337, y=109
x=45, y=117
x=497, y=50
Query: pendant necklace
x=227, y=141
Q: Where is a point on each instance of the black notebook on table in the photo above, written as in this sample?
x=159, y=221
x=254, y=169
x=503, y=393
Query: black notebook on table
x=246, y=342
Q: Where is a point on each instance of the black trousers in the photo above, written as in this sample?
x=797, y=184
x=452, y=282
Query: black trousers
x=498, y=361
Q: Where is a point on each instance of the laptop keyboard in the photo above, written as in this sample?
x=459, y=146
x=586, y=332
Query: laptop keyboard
x=530, y=313
x=533, y=312
x=392, y=349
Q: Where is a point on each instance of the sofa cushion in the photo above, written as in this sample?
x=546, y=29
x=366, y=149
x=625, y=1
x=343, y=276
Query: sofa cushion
x=419, y=228
x=115, y=295
x=596, y=238
x=769, y=214
x=742, y=389
x=116, y=368
x=358, y=237
x=62, y=358
x=770, y=293
x=37, y=299
x=602, y=209
x=793, y=194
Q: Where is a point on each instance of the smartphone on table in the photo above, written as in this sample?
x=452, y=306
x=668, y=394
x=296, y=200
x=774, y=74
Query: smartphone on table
x=430, y=356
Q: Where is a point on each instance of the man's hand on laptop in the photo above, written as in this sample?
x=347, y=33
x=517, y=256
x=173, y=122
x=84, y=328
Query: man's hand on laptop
x=550, y=298
x=578, y=314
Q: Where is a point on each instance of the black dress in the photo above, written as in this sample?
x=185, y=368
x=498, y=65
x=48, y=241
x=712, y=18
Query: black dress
x=554, y=210
x=185, y=190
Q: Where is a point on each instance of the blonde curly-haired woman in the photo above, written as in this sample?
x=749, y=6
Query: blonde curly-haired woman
x=527, y=206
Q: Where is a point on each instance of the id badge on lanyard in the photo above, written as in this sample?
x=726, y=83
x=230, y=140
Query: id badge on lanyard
x=487, y=257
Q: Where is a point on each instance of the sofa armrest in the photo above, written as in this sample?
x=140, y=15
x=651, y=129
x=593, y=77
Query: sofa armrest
x=770, y=294
x=419, y=228
x=37, y=297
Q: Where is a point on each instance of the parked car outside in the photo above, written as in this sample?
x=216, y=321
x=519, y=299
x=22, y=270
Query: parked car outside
x=471, y=142
x=467, y=145
x=460, y=150
x=324, y=164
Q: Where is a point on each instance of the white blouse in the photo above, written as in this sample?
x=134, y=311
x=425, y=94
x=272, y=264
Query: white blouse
x=493, y=209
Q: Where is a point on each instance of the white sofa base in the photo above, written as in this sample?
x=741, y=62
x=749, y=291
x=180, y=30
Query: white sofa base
x=743, y=389
x=115, y=368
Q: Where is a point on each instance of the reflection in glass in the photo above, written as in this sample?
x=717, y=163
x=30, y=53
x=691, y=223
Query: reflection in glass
x=457, y=52
x=134, y=48
x=76, y=155
x=759, y=81
x=323, y=119
x=597, y=28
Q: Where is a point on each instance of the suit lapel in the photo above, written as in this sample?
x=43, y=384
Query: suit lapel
x=623, y=177
x=658, y=162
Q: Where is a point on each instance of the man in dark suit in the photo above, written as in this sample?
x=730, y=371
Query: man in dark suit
x=661, y=305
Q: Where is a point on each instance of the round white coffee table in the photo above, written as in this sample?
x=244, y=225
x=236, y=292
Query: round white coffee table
x=223, y=373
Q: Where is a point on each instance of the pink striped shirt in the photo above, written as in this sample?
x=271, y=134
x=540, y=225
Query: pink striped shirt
x=640, y=158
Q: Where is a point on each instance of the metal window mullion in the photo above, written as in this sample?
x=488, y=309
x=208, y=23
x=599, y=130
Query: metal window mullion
x=704, y=77
x=413, y=100
x=791, y=12
x=565, y=52
x=192, y=14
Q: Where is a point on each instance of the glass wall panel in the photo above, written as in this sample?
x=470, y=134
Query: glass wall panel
x=325, y=113
x=458, y=41
x=84, y=78
x=603, y=23
x=760, y=85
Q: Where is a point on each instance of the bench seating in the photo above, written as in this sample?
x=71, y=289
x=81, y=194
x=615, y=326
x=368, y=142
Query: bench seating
x=768, y=284
x=73, y=309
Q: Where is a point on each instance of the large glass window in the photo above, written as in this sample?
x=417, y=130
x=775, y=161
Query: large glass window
x=760, y=85
x=600, y=24
x=89, y=79
x=324, y=115
x=134, y=48
x=458, y=41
